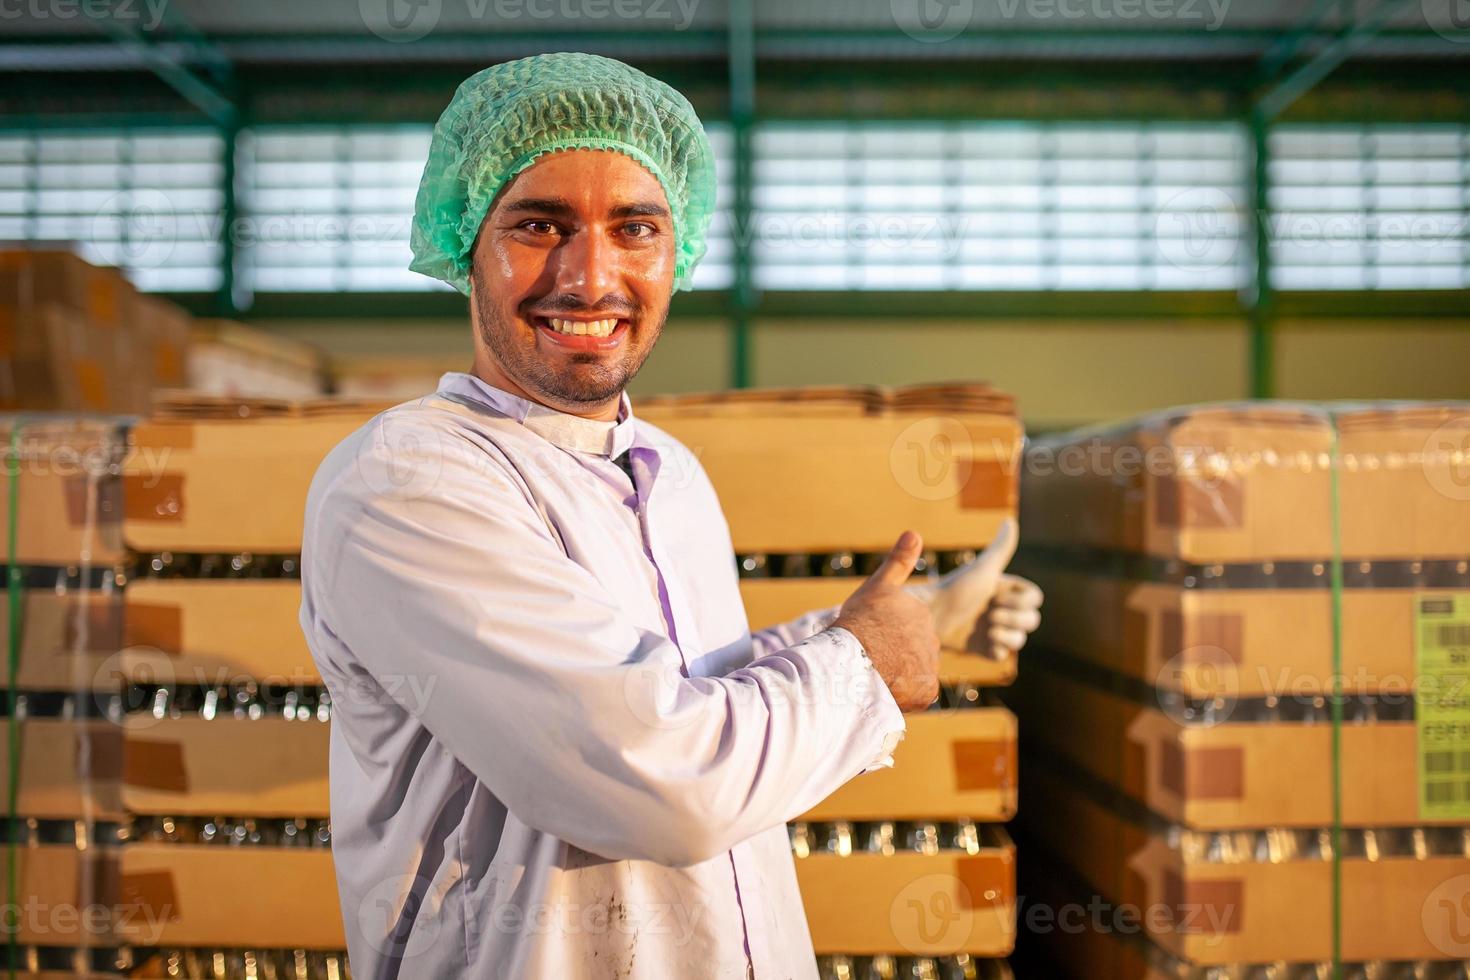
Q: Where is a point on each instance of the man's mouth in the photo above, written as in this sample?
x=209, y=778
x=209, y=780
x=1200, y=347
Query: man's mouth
x=583, y=335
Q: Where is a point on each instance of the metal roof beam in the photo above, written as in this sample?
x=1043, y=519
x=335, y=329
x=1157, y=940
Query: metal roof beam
x=1276, y=101
x=170, y=63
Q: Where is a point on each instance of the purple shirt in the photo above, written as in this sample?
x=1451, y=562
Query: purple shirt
x=556, y=749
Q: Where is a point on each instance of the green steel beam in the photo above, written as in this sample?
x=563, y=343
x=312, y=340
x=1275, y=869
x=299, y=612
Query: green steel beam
x=1263, y=111
x=225, y=302
x=741, y=54
x=170, y=67
x=1292, y=41
x=1262, y=312
x=1276, y=101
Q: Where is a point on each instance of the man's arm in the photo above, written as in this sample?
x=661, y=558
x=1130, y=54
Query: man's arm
x=579, y=721
x=773, y=638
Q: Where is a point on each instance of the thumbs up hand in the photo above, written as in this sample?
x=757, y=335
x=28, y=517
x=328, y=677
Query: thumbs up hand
x=980, y=596
x=896, y=628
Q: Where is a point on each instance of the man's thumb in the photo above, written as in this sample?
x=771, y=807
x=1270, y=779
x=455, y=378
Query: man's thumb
x=899, y=564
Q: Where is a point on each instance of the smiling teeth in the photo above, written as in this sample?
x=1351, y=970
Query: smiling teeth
x=591, y=328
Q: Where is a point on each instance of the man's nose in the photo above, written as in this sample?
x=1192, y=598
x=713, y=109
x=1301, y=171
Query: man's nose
x=586, y=266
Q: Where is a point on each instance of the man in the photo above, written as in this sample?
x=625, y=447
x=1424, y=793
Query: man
x=556, y=750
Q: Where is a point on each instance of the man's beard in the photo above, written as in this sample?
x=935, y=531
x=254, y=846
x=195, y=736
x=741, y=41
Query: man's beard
x=600, y=378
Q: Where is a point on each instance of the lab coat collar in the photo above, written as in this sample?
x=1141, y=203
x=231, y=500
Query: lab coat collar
x=571, y=432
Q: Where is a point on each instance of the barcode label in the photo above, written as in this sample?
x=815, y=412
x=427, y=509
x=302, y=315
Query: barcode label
x=1442, y=712
x=1439, y=762
x=1438, y=794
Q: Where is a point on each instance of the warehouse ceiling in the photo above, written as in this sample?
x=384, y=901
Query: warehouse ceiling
x=327, y=31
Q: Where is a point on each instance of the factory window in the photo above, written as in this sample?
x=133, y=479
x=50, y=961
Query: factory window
x=1370, y=207
x=838, y=206
x=987, y=206
x=147, y=201
x=329, y=209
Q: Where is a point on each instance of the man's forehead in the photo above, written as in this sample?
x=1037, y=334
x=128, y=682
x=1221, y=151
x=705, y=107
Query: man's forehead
x=605, y=179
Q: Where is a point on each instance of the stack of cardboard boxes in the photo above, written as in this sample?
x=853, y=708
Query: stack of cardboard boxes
x=78, y=338
x=231, y=359
x=905, y=872
x=217, y=720
x=62, y=750
x=1239, y=764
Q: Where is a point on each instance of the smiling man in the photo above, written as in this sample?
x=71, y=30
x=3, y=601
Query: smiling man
x=556, y=749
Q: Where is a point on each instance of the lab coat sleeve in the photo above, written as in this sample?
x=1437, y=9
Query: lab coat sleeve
x=581, y=722
x=783, y=635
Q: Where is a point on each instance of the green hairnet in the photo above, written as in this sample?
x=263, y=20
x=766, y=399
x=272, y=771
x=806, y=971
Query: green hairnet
x=501, y=119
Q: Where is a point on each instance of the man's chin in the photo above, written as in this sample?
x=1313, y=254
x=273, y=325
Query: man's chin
x=567, y=388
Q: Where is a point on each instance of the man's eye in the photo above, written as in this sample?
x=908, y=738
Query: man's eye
x=639, y=229
x=539, y=227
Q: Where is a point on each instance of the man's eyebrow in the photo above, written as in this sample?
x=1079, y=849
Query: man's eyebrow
x=562, y=208
x=540, y=205
x=645, y=209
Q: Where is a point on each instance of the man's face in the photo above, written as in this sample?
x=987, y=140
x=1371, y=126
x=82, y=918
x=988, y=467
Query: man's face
x=571, y=278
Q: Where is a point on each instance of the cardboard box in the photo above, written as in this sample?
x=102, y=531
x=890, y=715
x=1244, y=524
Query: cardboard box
x=69, y=640
x=770, y=602
x=69, y=770
x=211, y=631
x=796, y=473
x=69, y=497
x=951, y=764
x=400, y=378
x=187, y=478
x=1231, y=775
x=1249, y=483
x=66, y=336
x=31, y=278
x=230, y=359
x=1236, y=643
x=221, y=896
x=218, y=631
x=263, y=767
x=913, y=904
x=1244, y=909
x=163, y=330
x=65, y=895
